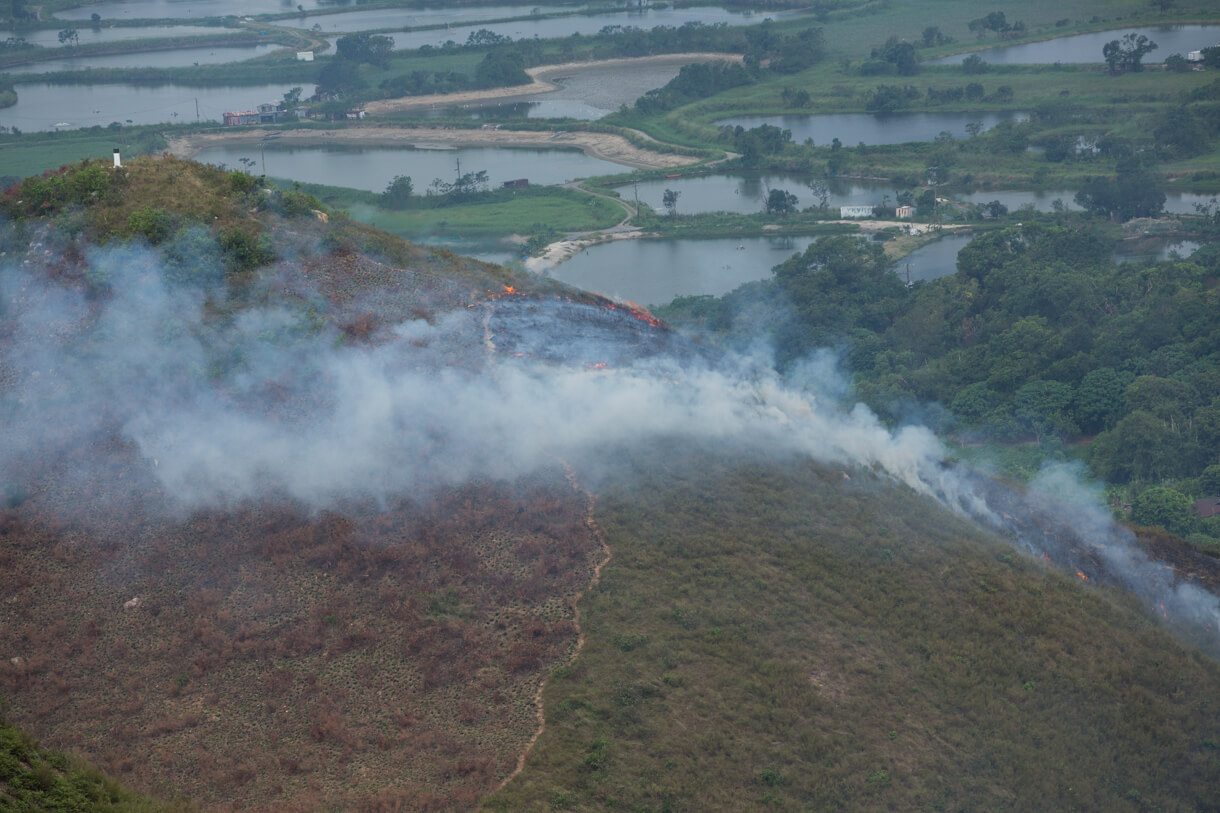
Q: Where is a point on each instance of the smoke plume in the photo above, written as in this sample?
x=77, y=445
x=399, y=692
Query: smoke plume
x=222, y=404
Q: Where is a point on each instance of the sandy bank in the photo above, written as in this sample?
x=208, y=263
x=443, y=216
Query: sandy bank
x=606, y=146
x=541, y=83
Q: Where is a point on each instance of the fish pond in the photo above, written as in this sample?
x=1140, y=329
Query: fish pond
x=372, y=168
x=874, y=128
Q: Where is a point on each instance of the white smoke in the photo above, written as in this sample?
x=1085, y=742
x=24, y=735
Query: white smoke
x=225, y=404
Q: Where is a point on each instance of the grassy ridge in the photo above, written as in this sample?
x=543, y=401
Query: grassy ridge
x=815, y=643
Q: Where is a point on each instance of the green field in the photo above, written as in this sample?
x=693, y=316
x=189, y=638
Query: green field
x=525, y=213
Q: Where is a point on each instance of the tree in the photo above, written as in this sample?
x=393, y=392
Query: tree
x=1170, y=509
x=1131, y=193
x=670, y=201
x=339, y=77
x=397, y=194
x=1099, y=398
x=374, y=49
x=838, y=160
x=820, y=191
x=1126, y=54
x=974, y=64
x=995, y=21
x=932, y=37
x=1042, y=408
x=780, y=202
x=501, y=67
x=900, y=54
x=69, y=35
x=291, y=99
x=1176, y=63
x=995, y=209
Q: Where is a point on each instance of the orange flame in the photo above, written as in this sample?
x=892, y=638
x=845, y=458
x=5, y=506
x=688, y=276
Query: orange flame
x=641, y=313
x=508, y=289
x=1082, y=576
x=595, y=365
x=1044, y=556
x=1163, y=610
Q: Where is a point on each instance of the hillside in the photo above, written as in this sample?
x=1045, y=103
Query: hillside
x=299, y=516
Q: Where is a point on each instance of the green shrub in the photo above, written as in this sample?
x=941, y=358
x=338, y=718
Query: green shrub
x=244, y=250
x=155, y=225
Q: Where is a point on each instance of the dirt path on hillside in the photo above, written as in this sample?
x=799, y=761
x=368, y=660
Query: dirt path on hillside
x=592, y=525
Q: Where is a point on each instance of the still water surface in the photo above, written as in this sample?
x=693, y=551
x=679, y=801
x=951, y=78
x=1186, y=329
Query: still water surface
x=415, y=18
x=49, y=38
x=586, y=94
x=165, y=9
x=874, y=128
x=1086, y=48
x=42, y=106
x=582, y=24
x=746, y=194
x=169, y=58
x=653, y=272
x=372, y=168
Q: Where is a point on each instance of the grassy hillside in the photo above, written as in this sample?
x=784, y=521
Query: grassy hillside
x=210, y=596
x=787, y=637
x=36, y=778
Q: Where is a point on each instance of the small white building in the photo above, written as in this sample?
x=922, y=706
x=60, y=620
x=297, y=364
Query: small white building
x=855, y=211
x=304, y=56
x=903, y=212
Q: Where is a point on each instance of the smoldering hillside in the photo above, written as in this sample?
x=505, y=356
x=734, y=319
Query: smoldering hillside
x=317, y=529
x=222, y=405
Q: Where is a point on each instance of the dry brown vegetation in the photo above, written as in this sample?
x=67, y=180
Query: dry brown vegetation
x=268, y=656
x=264, y=658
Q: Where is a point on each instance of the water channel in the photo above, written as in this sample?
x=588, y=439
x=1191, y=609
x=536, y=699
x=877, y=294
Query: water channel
x=1086, y=48
x=873, y=128
x=372, y=168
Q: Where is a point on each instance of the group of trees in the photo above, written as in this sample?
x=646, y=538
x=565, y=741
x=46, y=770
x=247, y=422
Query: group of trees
x=1131, y=192
x=1127, y=54
x=997, y=23
x=1039, y=335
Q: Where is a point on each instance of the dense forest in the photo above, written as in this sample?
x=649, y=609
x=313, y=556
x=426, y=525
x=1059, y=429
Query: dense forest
x=1041, y=336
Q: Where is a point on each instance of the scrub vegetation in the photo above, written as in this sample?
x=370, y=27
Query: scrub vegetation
x=782, y=636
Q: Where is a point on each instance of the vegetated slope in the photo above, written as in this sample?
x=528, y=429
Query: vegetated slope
x=36, y=778
x=230, y=640
x=786, y=636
